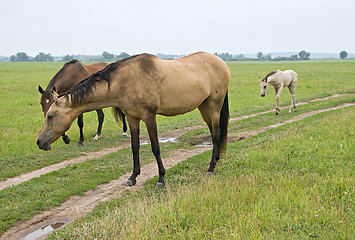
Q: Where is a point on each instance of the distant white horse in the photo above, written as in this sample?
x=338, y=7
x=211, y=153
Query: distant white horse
x=280, y=79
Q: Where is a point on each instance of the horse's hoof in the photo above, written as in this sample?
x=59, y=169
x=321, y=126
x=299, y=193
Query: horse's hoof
x=66, y=139
x=159, y=185
x=80, y=144
x=209, y=174
x=97, y=137
x=124, y=134
x=277, y=113
x=130, y=183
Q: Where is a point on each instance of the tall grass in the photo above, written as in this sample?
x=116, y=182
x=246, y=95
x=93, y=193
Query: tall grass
x=294, y=182
x=21, y=118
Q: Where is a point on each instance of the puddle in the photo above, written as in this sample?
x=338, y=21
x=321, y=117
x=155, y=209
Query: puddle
x=162, y=140
x=43, y=231
x=205, y=144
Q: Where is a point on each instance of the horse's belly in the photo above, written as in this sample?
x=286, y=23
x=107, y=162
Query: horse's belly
x=183, y=97
x=180, y=104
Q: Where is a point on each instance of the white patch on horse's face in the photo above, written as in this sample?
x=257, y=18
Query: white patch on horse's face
x=263, y=86
x=47, y=100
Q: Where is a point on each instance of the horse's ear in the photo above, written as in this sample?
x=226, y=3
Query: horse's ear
x=54, y=94
x=40, y=89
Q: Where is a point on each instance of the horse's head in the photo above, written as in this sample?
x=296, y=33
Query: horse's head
x=263, y=85
x=46, y=99
x=58, y=119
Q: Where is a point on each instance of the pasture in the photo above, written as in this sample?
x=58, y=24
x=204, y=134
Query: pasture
x=293, y=181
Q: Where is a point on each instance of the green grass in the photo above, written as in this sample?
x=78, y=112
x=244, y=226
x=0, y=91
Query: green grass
x=21, y=119
x=21, y=116
x=296, y=182
x=21, y=202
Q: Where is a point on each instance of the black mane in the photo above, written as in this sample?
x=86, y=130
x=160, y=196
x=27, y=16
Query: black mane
x=85, y=87
x=269, y=74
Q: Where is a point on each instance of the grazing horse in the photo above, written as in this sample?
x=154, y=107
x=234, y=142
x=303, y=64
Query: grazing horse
x=143, y=86
x=280, y=79
x=69, y=75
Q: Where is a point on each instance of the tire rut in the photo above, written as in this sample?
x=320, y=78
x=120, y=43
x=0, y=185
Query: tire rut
x=78, y=206
x=91, y=155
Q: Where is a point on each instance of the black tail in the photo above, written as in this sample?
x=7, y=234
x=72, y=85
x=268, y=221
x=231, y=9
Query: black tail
x=223, y=125
x=118, y=115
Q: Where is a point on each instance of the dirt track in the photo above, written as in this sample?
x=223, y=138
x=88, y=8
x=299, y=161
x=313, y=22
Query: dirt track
x=78, y=206
x=177, y=133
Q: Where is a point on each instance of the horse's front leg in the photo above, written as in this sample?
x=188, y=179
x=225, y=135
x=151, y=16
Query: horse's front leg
x=81, y=125
x=134, y=129
x=278, y=93
x=150, y=122
x=100, y=118
x=66, y=138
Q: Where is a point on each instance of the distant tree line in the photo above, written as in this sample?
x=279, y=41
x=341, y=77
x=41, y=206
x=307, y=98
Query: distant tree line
x=343, y=54
x=302, y=55
x=106, y=56
x=23, y=57
x=109, y=57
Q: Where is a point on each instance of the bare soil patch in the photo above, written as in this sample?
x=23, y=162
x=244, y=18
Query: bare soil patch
x=91, y=155
x=78, y=206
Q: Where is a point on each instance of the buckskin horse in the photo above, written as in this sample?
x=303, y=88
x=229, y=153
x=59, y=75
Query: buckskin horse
x=143, y=86
x=68, y=76
x=280, y=79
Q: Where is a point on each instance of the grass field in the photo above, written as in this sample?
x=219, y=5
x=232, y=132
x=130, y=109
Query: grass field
x=248, y=162
x=285, y=183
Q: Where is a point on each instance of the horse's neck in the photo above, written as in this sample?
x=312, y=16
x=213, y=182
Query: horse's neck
x=99, y=98
x=68, y=78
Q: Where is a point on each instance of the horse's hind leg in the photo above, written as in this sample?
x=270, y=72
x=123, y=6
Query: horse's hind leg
x=100, y=117
x=134, y=129
x=81, y=125
x=150, y=122
x=211, y=116
x=205, y=113
x=291, y=88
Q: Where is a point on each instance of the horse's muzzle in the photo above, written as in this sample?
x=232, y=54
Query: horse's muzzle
x=43, y=145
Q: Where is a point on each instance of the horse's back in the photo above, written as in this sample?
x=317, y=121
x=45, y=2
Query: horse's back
x=200, y=67
x=95, y=67
x=292, y=75
x=190, y=80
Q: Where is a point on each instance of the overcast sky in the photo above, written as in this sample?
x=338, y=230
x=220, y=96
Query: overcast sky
x=62, y=27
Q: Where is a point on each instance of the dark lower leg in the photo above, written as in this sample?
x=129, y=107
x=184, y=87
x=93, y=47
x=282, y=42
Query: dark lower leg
x=100, y=117
x=153, y=135
x=216, y=147
x=66, y=138
x=81, y=125
x=134, y=126
x=124, y=123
